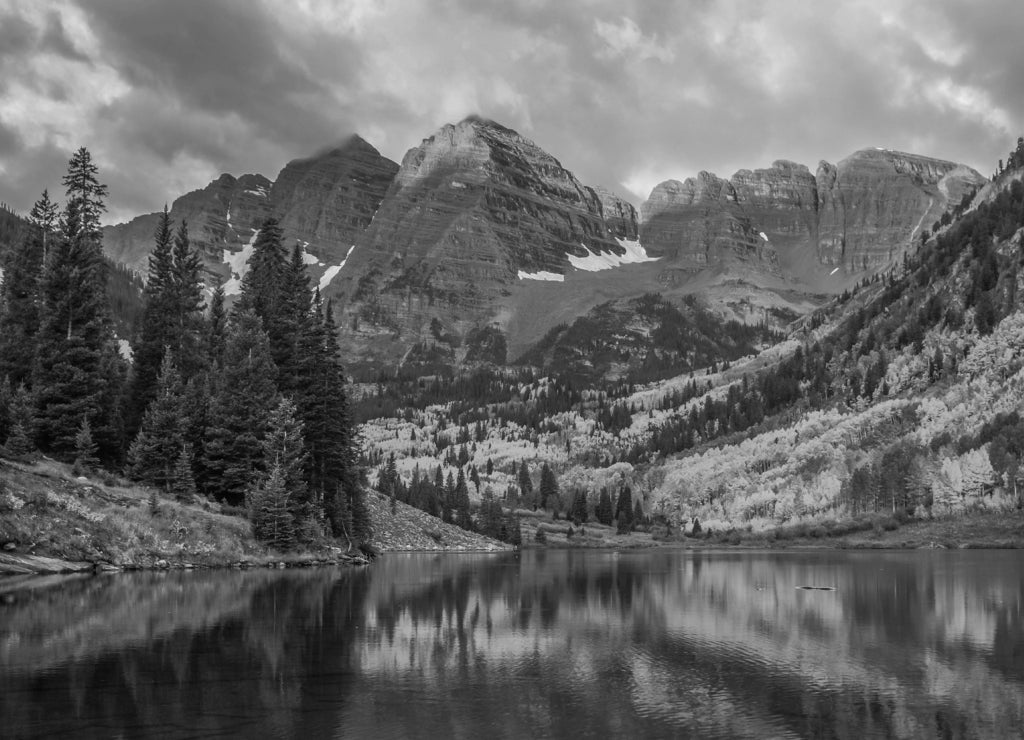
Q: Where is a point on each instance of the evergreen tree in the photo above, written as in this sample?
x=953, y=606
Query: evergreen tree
x=638, y=513
x=183, y=482
x=154, y=334
x=44, y=217
x=604, y=511
x=6, y=398
x=265, y=290
x=330, y=439
x=85, y=447
x=270, y=511
x=186, y=299
x=624, y=506
x=239, y=411
x=75, y=349
x=516, y=533
x=579, y=512
x=22, y=421
x=491, y=519
x=548, y=487
x=154, y=452
x=216, y=326
x=284, y=447
x=525, y=484
x=20, y=296
x=461, y=502
x=293, y=355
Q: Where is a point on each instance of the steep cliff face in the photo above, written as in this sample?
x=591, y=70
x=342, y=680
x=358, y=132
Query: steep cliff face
x=698, y=224
x=859, y=214
x=881, y=200
x=221, y=215
x=328, y=200
x=619, y=215
x=322, y=202
x=471, y=212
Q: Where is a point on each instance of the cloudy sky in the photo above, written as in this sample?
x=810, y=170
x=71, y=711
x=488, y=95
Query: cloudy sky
x=626, y=93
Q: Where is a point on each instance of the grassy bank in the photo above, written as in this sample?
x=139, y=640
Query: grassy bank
x=970, y=530
x=49, y=516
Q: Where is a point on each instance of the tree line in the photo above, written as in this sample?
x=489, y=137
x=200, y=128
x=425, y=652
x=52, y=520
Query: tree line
x=247, y=405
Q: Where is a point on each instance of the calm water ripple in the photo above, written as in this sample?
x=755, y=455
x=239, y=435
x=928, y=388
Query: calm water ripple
x=542, y=644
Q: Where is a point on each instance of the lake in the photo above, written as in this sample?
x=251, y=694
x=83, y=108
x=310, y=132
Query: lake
x=596, y=644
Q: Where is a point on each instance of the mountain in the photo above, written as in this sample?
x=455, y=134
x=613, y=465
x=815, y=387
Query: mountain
x=481, y=243
x=474, y=211
x=322, y=202
x=327, y=201
x=900, y=400
x=858, y=215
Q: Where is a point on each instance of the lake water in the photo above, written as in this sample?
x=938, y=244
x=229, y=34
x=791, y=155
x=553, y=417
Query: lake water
x=539, y=644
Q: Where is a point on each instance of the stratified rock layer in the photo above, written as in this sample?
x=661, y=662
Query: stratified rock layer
x=328, y=200
x=470, y=209
x=323, y=202
x=859, y=214
x=225, y=212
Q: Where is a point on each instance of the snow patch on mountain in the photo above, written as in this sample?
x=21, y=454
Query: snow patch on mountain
x=542, y=275
x=594, y=262
x=333, y=270
x=238, y=263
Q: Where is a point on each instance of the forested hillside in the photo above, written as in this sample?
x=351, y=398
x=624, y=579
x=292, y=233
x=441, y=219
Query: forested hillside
x=248, y=407
x=903, y=396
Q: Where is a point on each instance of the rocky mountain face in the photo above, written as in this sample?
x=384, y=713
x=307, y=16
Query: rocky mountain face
x=218, y=215
x=481, y=242
x=473, y=211
x=322, y=202
x=699, y=223
x=328, y=200
x=858, y=214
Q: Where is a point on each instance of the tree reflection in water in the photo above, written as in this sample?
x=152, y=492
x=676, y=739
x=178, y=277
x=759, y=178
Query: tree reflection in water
x=559, y=643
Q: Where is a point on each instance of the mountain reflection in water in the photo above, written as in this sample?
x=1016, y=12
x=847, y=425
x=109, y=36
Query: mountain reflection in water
x=559, y=643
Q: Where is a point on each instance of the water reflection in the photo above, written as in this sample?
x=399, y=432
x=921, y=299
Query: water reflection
x=574, y=644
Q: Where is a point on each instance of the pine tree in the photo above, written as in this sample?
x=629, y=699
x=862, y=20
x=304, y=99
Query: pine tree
x=284, y=448
x=638, y=513
x=154, y=334
x=186, y=298
x=525, y=484
x=20, y=295
x=239, y=411
x=461, y=502
x=216, y=326
x=85, y=447
x=75, y=347
x=183, y=482
x=22, y=420
x=270, y=511
x=548, y=487
x=330, y=439
x=624, y=506
x=294, y=356
x=6, y=398
x=579, y=507
x=604, y=511
x=516, y=533
x=154, y=452
x=44, y=217
x=265, y=289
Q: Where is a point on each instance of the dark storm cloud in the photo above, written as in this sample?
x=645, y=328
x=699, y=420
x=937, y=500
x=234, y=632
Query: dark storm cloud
x=624, y=93
x=222, y=58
